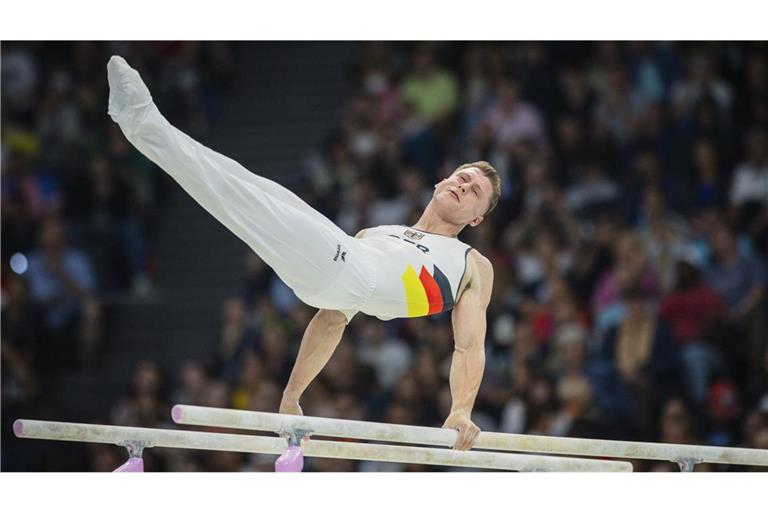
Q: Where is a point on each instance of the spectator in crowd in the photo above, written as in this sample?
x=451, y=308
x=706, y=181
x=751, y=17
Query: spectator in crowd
x=510, y=120
x=592, y=193
x=642, y=361
x=692, y=309
x=750, y=179
x=617, y=112
x=63, y=284
x=740, y=279
x=676, y=425
x=577, y=415
x=664, y=236
x=237, y=337
x=749, y=189
x=388, y=356
x=20, y=80
x=193, y=381
x=21, y=326
x=430, y=92
x=630, y=269
x=707, y=176
x=430, y=95
x=112, y=227
x=146, y=404
x=756, y=430
x=30, y=194
x=701, y=82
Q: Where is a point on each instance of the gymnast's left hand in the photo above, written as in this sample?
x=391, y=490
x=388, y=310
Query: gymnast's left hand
x=468, y=431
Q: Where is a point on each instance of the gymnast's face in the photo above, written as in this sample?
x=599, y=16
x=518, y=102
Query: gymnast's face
x=464, y=196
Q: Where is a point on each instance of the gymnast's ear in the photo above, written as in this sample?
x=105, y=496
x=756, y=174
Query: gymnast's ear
x=477, y=220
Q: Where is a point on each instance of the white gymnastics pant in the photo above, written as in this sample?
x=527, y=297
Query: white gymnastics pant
x=324, y=266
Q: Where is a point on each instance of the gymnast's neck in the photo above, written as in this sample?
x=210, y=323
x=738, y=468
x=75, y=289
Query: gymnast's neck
x=433, y=223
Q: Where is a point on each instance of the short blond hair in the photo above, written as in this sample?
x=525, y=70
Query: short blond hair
x=493, y=176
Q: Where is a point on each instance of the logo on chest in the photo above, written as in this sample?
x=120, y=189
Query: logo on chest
x=413, y=235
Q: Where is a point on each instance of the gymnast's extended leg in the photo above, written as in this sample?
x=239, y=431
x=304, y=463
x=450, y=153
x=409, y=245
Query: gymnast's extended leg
x=294, y=239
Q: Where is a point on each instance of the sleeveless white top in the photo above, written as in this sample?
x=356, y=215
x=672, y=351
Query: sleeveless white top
x=418, y=273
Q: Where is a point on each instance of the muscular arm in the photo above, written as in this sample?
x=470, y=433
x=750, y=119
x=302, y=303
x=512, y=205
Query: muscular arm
x=468, y=364
x=320, y=340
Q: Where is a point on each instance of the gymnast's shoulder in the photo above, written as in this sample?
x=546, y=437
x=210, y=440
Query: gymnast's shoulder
x=479, y=274
x=480, y=266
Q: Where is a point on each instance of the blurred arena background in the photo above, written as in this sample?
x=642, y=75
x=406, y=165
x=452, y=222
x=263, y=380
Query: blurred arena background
x=629, y=245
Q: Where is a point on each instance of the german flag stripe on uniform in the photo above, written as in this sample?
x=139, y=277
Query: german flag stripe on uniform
x=426, y=294
x=445, y=289
x=434, y=296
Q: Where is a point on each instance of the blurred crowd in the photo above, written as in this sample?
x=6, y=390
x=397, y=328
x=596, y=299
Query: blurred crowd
x=78, y=201
x=629, y=244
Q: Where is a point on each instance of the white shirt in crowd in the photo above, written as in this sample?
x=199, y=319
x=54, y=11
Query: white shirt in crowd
x=750, y=183
x=389, y=359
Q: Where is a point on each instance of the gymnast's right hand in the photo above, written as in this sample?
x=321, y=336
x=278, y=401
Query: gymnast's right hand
x=468, y=431
x=290, y=406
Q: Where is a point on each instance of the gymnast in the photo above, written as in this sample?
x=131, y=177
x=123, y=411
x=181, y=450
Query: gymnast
x=384, y=271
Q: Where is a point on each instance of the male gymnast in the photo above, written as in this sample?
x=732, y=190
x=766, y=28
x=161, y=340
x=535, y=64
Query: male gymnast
x=384, y=271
